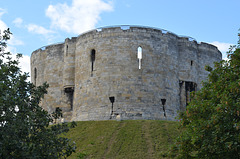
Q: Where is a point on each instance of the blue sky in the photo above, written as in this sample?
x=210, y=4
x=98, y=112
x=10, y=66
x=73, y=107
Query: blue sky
x=39, y=23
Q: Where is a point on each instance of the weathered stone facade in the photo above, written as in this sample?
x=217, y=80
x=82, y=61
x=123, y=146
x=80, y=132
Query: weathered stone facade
x=140, y=67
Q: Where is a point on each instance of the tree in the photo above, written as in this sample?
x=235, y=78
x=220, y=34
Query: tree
x=211, y=123
x=24, y=125
x=57, y=114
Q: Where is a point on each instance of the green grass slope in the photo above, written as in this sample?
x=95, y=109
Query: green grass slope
x=140, y=139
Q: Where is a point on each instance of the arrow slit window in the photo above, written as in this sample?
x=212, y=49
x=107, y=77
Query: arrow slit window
x=93, y=54
x=139, y=56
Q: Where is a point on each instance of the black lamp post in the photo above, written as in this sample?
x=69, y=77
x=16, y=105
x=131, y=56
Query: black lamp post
x=163, y=103
x=112, y=101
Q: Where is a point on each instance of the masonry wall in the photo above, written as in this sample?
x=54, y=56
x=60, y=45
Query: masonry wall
x=47, y=65
x=81, y=85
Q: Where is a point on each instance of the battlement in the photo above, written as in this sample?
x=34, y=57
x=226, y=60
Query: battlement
x=110, y=30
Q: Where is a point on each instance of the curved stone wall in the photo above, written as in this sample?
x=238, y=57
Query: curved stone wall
x=84, y=72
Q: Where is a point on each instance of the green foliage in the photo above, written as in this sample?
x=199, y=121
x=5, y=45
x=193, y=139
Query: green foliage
x=4, y=38
x=81, y=155
x=24, y=125
x=211, y=122
x=57, y=114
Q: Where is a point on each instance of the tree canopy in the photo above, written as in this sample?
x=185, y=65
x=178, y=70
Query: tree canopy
x=211, y=123
x=24, y=125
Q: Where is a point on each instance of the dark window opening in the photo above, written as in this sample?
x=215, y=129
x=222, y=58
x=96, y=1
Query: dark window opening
x=186, y=88
x=35, y=76
x=69, y=91
x=163, y=104
x=66, y=50
x=93, y=54
x=189, y=87
x=191, y=63
x=112, y=99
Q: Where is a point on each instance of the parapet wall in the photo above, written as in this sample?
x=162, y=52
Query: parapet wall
x=83, y=72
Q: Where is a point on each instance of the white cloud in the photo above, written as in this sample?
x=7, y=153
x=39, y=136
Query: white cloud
x=3, y=26
x=35, y=29
x=38, y=29
x=18, y=22
x=14, y=41
x=2, y=11
x=81, y=16
x=25, y=63
x=223, y=47
x=25, y=60
x=46, y=33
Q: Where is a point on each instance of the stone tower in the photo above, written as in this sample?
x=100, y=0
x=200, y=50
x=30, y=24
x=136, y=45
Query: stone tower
x=122, y=72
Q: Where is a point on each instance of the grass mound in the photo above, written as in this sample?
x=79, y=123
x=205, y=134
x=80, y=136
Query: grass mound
x=129, y=139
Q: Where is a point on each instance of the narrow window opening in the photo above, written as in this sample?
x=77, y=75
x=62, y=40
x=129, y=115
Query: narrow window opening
x=35, y=76
x=66, y=50
x=189, y=87
x=93, y=54
x=69, y=91
x=139, y=56
x=163, y=104
x=191, y=62
x=186, y=87
x=112, y=99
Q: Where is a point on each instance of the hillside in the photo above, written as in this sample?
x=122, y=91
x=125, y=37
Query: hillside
x=141, y=139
